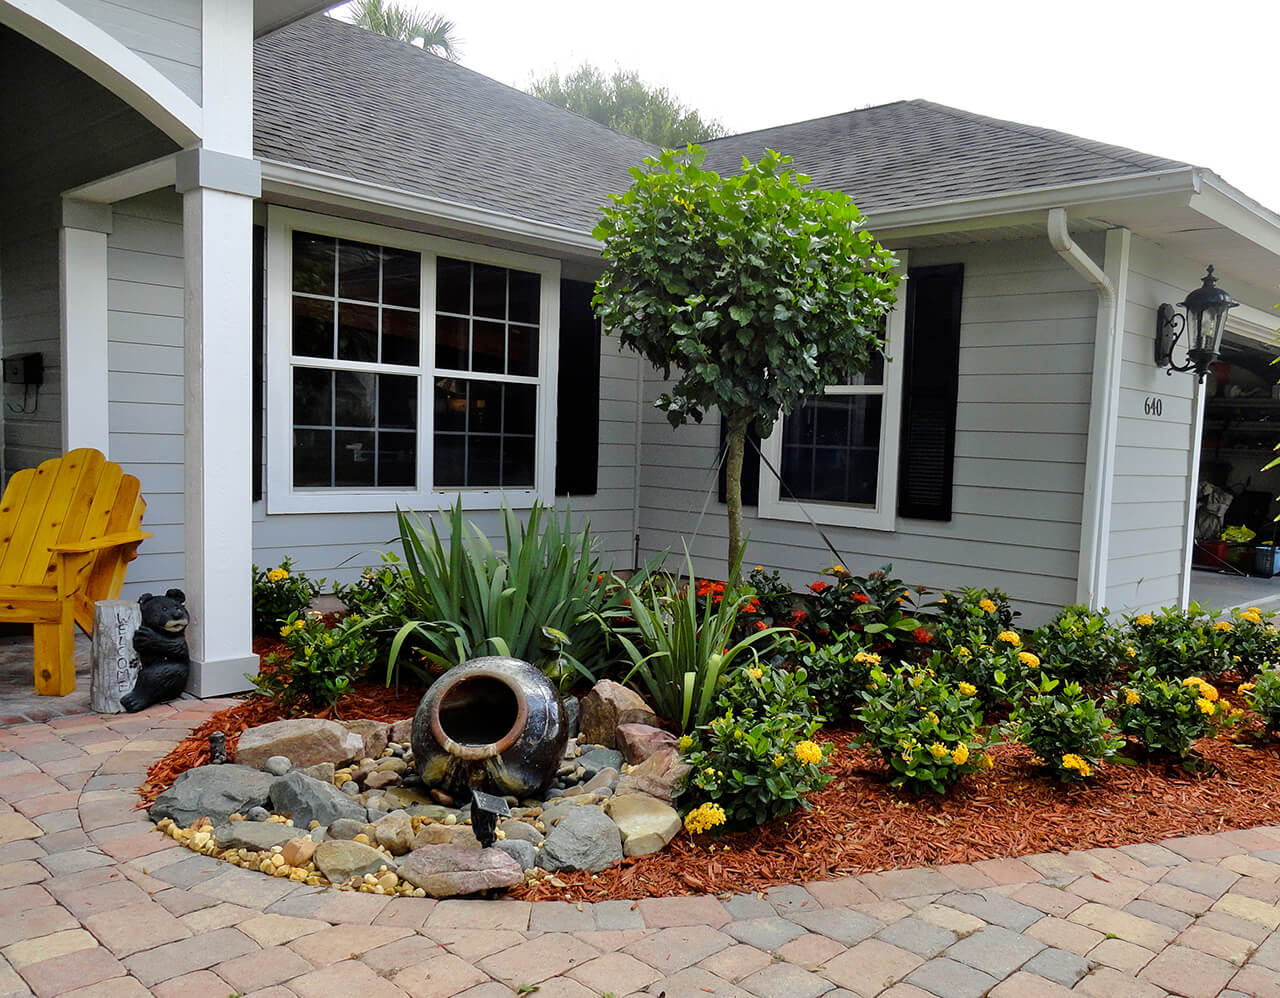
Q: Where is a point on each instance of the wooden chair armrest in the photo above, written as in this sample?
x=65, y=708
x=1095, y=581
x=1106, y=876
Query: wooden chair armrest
x=100, y=543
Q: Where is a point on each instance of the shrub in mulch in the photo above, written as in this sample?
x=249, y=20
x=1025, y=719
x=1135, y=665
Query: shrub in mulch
x=859, y=824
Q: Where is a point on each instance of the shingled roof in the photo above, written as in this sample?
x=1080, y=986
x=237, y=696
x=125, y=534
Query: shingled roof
x=337, y=98
x=334, y=97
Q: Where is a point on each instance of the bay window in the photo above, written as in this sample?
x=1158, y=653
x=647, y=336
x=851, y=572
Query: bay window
x=402, y=366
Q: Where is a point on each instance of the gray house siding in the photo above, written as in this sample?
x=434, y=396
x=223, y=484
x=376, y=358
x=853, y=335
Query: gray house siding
x=1027, y=329
x=144, y=359
x=65, y=130
x=166, y=33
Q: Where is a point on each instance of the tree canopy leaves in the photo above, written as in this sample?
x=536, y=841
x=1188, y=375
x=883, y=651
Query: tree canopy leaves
x=627, y=104
x=434, y=32
x=755, y=288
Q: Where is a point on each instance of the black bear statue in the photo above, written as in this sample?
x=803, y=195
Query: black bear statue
x=163, y=658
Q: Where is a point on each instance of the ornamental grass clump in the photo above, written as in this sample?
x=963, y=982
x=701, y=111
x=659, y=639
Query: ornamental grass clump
x=680, y=644
x=1080, y=646
x=1177, y=643
x=1068, y=731
x=757, y=759
x=923, y=727
x=1166, y=717
x=278, y=592
x=839, y=673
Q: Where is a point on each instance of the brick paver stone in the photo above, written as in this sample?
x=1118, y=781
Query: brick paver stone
x=919, y=936
x=1256, y=982
x=400, y=954
x=764, y=933
x=537, y=959
x=29, y=951
x=738, y=962
x=1025, y=985
x=198, y=953
x=840, y=924
x=80, y=969
x=440, y=977
x=1121, y=955
x=136, y=927
x=871, y=966
x=1058, y=965
x=1250, y=909
x=346, y=978
x=784, y=980
x=676, y=948
x=1131, y=928
x=616, y=972
x=947, y=978
x=1188, y=973
x=810, y=950
x=262, y=969
x=995, y=950
x=694, y=982
x=343, y=942
x=1107, y=983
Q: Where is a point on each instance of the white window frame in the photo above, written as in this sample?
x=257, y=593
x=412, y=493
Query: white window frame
x=883, y=515
x=281, y=495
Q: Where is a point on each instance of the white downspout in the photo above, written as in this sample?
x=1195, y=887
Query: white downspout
x=1100, y=458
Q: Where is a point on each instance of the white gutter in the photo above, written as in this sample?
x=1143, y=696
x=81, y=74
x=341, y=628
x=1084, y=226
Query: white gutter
x=1103, y=402
x=334, y=189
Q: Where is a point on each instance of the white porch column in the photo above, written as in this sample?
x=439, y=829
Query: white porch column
x=217, y=201
x=83, y=263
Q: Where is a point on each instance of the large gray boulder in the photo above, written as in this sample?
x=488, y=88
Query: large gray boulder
x=585, y=839
x=213, y=792
x=306, y=800
x=445, y=871
x=258, y=836
x=524, y=853
x=306, y=741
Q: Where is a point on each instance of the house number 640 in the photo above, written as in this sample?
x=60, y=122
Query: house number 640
x=1153, y=406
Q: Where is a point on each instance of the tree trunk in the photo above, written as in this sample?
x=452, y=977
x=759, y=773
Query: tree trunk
x=736, y=439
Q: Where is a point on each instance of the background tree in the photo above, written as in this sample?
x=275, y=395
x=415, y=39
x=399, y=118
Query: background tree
x=435, y=33
x=758, y=290
x=627, y=104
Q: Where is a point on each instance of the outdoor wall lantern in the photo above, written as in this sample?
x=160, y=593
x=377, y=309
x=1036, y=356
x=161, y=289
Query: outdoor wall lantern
x=1206, y=315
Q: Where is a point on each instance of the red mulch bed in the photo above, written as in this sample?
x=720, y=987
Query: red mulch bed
x=859, y=824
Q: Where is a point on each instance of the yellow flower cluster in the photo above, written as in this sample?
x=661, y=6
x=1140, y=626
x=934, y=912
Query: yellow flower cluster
x=1222, y=625
x=1244, y=688
x=986, y=606
x=968, y=689
x=1207, y=690
x=1144, y=620
x=1074, y=762
x=277, y=574
x=938, y=750
x=1206, y=706
x=1131, y=697
x=1029, y=660
x=704, y=817
x=810, y=752
x=685, y=743
x=867, y=658
x=960, y=754
x=297, y=625
x=986, y=762
x=963, y=653
x=1131, y=651
x=1009, y=638
x=756, y=673
x=1253, y=615
x=779, y=760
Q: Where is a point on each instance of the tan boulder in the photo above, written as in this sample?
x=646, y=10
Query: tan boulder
x=658, y=776
x=646, y=823
x=605, y=707
x=306, y=741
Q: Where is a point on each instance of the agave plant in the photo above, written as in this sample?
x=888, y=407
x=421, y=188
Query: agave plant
x=545, y=598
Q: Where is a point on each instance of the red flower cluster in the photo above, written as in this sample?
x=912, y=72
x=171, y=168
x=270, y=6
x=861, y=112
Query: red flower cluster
x=861, y=598
x=713, y=589
x=922, y=636
x=819, y=587
x=752, y=607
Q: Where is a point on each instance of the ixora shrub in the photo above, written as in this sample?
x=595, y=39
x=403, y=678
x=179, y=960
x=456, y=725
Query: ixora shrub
x=838, y=674
x=1249, y=639
x=380, y=596
x=1081, y=646
x=924, y=728
x=1262, y=694
x=878, y=606
x=279, y=592
x=1067, y=730
x=680, y=644
x=1167, y=716
x=1179, y=643
x=773, y=605
x=544, y=598
x=972, y=617
x=993, y=668
x=756, y=759
x=322, y=662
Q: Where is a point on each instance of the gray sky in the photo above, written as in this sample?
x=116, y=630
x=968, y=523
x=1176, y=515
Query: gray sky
x=1154, y=75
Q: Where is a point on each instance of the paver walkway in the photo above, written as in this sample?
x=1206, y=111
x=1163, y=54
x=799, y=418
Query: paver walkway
x=96, y=904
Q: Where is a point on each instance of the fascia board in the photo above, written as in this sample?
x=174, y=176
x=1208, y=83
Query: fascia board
x=1234, y=210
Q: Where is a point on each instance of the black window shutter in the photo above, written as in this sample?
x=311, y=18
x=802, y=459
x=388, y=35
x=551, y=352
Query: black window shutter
x=931, y=368
x=578, y=392
x=259, y=350
x=750, y=465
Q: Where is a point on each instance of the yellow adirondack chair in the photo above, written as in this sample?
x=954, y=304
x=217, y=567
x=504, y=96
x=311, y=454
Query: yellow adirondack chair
x=67, y=530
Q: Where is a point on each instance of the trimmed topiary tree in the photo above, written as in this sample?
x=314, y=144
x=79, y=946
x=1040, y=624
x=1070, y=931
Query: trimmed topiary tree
x=757, y=289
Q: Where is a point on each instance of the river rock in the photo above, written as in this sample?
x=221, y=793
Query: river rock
x=524, y=853
x=254, y=835
x=320, y=771
x=596, y=759
x=658, y=776
x=449, y=835
x=278, y=765
x=305, y=740
x=646, y=824
x=349, y=828
x=339, y=861
x=572, y=707
x=306, y=800
x=605, y=707
x=392, y=765
x=394, y=832
x=213, y=792
x=450, y=871
x=257, y=814
x=299, y=851
x=585, y=839
x=375, y=734
x=602, y=783
x=639, y=741
x=381, y=779
x=521, y=830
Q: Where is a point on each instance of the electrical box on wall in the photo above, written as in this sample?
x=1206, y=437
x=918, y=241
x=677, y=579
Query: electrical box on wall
x=24, y=369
